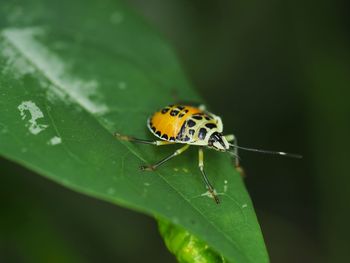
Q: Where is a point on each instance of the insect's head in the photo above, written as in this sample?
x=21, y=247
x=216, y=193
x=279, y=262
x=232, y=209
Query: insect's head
x=218, y=142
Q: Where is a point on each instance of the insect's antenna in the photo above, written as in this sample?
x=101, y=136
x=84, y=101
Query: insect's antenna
x=291, y=155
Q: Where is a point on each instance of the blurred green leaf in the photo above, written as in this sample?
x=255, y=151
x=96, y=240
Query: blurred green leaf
x=27, y=232
x=44, y=222
x=186, y=247
x=27, y=235
x=74, y=72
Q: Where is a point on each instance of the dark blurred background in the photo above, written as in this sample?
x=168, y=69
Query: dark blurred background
x=278, y=72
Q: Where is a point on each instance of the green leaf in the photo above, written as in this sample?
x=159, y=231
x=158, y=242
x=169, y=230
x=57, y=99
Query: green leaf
x=72, y=73
x=186, y=247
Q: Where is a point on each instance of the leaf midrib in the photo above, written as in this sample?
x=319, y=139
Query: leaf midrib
x=126, y=145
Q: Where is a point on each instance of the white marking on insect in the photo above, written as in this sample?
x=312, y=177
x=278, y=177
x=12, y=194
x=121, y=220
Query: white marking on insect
x=35, y=113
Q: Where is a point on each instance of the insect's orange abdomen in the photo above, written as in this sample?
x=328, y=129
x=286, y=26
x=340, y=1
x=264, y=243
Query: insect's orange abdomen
x=167, y=123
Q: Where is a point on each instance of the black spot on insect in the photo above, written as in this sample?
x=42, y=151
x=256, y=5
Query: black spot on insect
x=158, y=133
x=208, y=118
x=174, y=112
x=210, y=125
x=191, y=123
x=172, y=139
x=164, y=136
x=202, y=133
x=187, y=138
x=181, y=115
x=153, y=128
x=191, y=131
x=197, y=117
x=181, y=132
x=165, y=110
x=180, y=107
x=185, y=111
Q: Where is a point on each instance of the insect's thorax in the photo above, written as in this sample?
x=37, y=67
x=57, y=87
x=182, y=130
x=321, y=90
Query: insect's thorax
x=198, y=128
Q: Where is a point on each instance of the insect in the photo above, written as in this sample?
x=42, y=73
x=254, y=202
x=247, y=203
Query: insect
x=190, y=125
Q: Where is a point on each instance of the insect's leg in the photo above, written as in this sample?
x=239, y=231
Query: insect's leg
x=154, y=166
x=232, y=138
x=133, y=139
x=205, y=178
